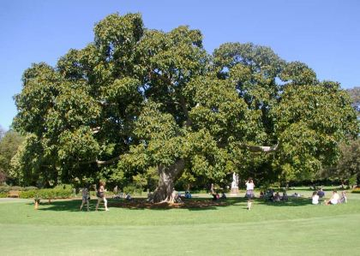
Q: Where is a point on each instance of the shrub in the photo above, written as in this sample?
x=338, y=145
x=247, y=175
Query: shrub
x=30, y=188
x=356, y=190
x=63, y=192
x=29, y=194
x=129, y=189
x=48, y=193
x=3, y=195
x=16, y=188
x=64, y=187
x=5, y=189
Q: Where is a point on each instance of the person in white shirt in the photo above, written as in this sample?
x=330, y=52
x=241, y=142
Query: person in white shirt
x=334, y=198
x=315, y=198
x=249, y=192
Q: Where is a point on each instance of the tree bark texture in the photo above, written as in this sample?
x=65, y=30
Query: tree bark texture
x=167, y=177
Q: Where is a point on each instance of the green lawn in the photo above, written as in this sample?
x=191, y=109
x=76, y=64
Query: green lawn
x=293, y=228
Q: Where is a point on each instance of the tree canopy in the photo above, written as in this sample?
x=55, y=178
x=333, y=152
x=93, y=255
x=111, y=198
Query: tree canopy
x=147, y=106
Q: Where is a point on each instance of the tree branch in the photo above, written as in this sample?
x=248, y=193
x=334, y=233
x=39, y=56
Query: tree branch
x=188, y=122
x=95, y=129
x=100, y=162
x=266, y=149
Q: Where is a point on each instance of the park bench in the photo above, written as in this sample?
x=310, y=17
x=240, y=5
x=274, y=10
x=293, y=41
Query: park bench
x=14, y=193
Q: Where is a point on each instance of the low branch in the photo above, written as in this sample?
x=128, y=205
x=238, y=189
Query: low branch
x=100, y=162
x=95, y=129
x=110, y=161
x=266, y=149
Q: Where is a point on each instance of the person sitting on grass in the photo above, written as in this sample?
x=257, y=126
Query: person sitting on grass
x=269, y=196
x=334, y=198
x=321, y=193
x=284, y=197
x=128, y=197
x=216, y=196
x=315, y=198
x=296, y=195
x=277, y=197
x=175, y=198
x=261, y=194
x=343, y=198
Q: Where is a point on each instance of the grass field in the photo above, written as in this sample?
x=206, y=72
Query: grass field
x=292, y=228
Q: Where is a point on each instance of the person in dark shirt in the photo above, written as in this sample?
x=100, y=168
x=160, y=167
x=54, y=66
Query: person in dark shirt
x=321, y=193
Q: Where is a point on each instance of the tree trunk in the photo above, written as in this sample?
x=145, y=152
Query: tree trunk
x=167, y=177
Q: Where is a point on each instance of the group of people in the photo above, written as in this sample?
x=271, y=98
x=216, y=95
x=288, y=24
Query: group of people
x=269, y=196
x=334, y=199
x=100, y=194
x=216, y=194
x=272, y=196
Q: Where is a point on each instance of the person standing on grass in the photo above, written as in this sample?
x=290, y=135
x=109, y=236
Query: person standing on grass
x=85, y=198
x=101, y=196
x=249, y=192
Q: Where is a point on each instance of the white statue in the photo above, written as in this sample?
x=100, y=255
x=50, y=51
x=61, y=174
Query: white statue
x=235, y=182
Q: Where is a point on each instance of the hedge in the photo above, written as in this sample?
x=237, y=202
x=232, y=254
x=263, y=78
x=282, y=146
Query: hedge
x=356, y=190
x=48, y=193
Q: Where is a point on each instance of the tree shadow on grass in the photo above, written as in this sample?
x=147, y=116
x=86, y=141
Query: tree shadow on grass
x=139, y=204
x=64, y=205
x=292, y=201
x=190, y=204
x=198, y=204
x=328, y=189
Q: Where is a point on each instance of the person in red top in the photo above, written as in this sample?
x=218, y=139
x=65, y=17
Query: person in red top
x=101, y=196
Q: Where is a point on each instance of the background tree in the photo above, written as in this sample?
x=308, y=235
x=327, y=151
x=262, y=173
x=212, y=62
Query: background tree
x=2, y=132
x=9, y=144
x=355, y=97
x=145, y=106
x=349, y=165
x=347, y=169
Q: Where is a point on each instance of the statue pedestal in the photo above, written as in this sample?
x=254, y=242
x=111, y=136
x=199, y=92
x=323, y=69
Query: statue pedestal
x=234, y=191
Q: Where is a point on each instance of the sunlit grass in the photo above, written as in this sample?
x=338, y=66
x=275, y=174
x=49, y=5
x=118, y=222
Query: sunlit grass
x=291, y=228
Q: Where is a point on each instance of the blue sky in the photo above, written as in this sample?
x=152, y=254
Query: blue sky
x=324, y=34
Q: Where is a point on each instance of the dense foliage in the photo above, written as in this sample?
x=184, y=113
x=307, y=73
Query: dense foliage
x=151, y=107
x=348, y=167
x=9, y=144
x=355, y=97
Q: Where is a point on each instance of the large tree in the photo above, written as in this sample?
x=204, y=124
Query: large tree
x=138, y=102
